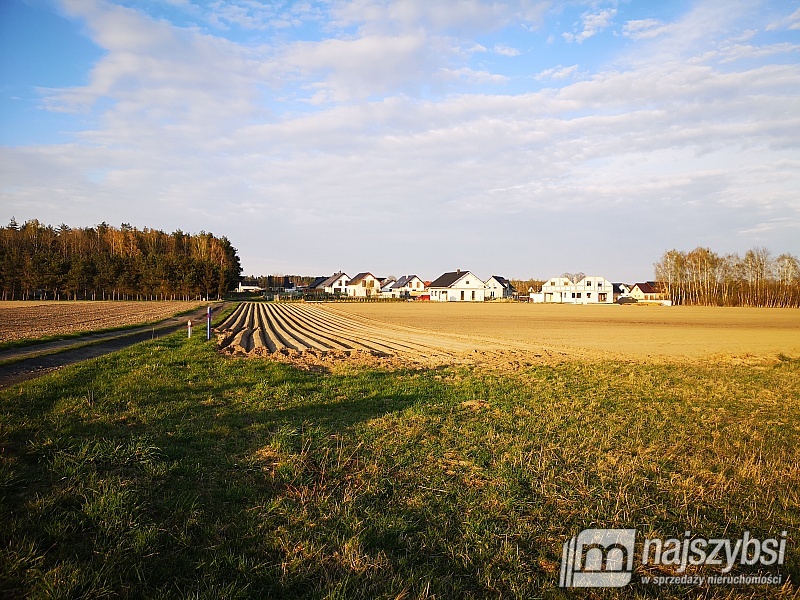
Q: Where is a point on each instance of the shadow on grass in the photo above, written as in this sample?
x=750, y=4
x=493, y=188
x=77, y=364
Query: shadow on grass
x=167, y=467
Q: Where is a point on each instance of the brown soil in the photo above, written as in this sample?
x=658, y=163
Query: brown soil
x=32, y=320
x=505, y=335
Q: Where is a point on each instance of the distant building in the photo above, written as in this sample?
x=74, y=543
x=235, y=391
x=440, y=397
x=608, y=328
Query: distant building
x=334, y=284
x=621, y=290
x=248, y=286
x=408, y=286
x=589, y=290
x=499, y=287
x=457, y=286
x=648, y=291
x=364, y=285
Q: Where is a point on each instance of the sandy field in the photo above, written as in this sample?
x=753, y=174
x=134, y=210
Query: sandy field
x=23, y=320
x=615, y=331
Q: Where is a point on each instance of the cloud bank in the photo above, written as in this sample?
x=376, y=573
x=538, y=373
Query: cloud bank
x=367, y=135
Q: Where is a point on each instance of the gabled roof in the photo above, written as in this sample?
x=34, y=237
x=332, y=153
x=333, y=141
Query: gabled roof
x=448, y=279
x=316, y=283
x=503, y=281
x=357, y=279
x=331, y=280
x=404, y=281
x=649, y=287
x=618, y=287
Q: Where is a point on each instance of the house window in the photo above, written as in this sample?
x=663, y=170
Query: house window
x=588, y=294
x=588, y=284
x=467, y=282
x=462, y=294
x=579, y=294
x=473, y=294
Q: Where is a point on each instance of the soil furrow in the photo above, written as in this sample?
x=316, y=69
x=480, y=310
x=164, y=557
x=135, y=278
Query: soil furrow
x=300, y=336
x=311, y=331
x=406, y=343
x=332, y=332
x=275, y=343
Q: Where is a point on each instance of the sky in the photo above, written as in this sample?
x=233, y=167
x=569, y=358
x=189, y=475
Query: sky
x=519, y=138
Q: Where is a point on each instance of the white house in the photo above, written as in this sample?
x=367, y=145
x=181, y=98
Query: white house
x=555, y=289
x=335, y=284
x=386, y=286
x=457, y=286
x=647, y=291
x=621, y=290
x=499, y=287
x=408, y=286
x=591, y=289
x=364, y=285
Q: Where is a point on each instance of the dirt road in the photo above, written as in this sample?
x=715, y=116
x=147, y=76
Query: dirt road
x=36, y=360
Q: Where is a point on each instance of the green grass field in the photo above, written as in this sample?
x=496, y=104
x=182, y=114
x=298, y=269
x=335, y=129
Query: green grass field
x=168, y=471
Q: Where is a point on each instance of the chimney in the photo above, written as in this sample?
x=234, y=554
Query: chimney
x=458, y=271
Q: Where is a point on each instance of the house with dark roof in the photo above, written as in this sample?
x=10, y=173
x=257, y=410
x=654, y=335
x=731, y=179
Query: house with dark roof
x=407, y=286
x=386, y=285
x=335, y=284
x=621, y=290
x=364, y=285
x=499, y=287
x=457, y=286
x=648, y=290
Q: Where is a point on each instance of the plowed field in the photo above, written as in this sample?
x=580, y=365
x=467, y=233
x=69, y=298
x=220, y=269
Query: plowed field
x=488, y=333
x=258, y=329
x=25, y=320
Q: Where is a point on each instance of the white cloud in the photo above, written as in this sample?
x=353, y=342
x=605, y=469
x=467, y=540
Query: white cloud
x=592, y=23
x=644, y=29
x=505, y=50
x=733, y=52
x=558, y=72
x=468, y=15
x=467, y=75
x=792, y=22
x=344, y=69
x=192, y=129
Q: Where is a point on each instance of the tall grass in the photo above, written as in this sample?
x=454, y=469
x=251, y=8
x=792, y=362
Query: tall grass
x=167, y=471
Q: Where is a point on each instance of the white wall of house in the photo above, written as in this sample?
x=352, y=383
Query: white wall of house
x=495, y=289
x=369, y=286
x=594, y=290
x=413, y=287
x=589, y=290
x=468, y=288
x=248, y=288
x=556, y=290
x=337, y=287
x=642, y=296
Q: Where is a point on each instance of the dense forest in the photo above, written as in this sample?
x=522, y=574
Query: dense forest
x=109, y=263
x=702, y=277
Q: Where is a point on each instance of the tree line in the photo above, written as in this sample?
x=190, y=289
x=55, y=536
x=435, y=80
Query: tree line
x=703, y=277
x=107, y=263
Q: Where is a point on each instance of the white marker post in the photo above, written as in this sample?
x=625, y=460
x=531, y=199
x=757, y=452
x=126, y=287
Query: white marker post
x=189, y=328
x=208, y=324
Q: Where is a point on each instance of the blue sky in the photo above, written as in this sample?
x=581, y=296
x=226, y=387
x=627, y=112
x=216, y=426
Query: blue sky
x=522, y=138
